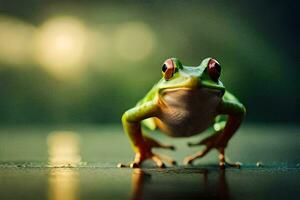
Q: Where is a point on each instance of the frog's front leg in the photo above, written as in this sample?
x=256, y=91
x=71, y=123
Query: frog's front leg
x=236, y=112
x=142, y=144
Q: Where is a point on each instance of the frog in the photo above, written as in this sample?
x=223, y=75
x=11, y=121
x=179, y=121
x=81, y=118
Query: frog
x=186, y=101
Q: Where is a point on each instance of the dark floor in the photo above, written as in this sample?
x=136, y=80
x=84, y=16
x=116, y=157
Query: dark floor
x=78, y=162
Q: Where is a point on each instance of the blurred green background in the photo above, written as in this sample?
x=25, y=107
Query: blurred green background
x=69, y=69
x=88, y=61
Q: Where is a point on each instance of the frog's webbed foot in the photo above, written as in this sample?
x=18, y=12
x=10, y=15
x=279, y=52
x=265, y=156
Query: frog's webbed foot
x=215, y=141
x=159, y=160
x=146, y=153
x=223, y=161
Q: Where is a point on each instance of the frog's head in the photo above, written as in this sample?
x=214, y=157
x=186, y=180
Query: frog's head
x=176, y=75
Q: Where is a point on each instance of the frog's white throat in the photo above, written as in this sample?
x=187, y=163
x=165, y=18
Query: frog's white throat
x=187, y=111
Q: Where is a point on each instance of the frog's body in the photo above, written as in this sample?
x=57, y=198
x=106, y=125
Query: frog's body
x=185, y=102
x=181, y=113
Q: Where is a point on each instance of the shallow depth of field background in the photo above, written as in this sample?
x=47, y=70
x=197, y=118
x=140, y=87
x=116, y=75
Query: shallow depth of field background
x=69, y=69
x=65, y=62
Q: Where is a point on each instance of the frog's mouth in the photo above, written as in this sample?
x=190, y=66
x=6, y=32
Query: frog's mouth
x=199, y=88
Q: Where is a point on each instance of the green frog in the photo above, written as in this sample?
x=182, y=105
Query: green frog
x=186, y=101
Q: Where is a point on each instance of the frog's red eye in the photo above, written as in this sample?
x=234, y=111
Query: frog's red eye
x=168, y=69
x=214, y=69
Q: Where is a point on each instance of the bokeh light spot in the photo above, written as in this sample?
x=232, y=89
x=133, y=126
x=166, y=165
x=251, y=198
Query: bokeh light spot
x=134, y=41
x=15, y=41
x=99, y=48
x=61, y=43
x=63, y=148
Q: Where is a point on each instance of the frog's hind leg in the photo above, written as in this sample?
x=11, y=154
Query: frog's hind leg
x=235, y=112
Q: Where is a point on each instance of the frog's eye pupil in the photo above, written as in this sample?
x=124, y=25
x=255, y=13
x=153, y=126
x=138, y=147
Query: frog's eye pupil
x=214, y=69
x=164, y=68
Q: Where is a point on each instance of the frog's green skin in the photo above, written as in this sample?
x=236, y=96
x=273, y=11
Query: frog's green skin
x=185, y=104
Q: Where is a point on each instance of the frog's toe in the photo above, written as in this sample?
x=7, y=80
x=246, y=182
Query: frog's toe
x=158, y=161
x=155, y=144
x=162, y=165
x=172, y=147
x=174, y=163
x=224, y=165
x=192, y=144
x=238, y=164
x=131, y=165
x=121, y=165
x=167, y=159
x=166, y=146
x=188, y=160
x=134, y=165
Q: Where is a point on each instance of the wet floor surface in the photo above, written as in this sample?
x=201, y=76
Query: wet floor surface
x=32, y=166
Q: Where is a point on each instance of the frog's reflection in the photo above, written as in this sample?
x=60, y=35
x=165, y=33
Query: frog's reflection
x=139, y=179
x=179, y=184
x=223, y=186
